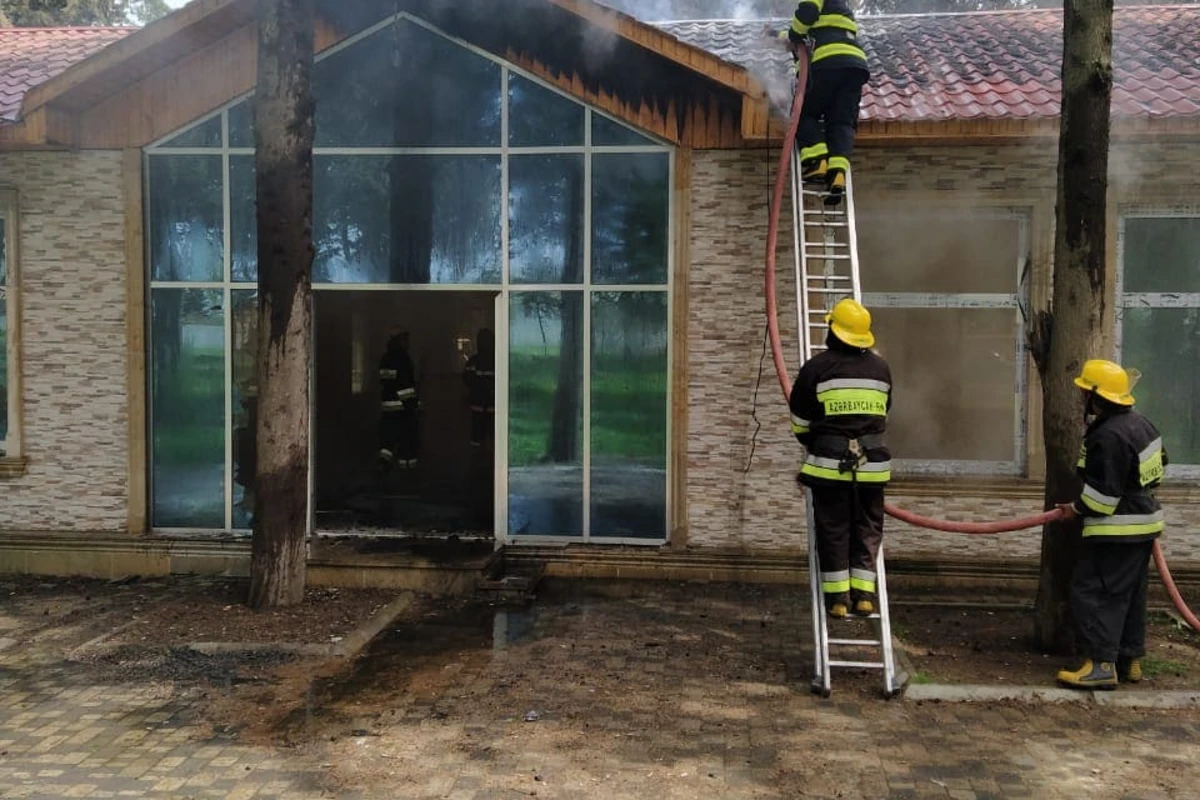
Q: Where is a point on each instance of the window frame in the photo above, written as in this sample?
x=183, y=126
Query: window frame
x=10, y=447
x=1018, y=303
x=1150, y=300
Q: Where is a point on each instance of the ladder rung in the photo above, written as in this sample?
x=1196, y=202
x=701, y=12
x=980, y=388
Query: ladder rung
x=839, y=245
x=858, y=664
x=819, y=278
x=859, y=642
x=824, y=291
x=830, y=257
x=821, y=224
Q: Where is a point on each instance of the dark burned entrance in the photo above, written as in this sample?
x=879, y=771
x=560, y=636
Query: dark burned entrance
x=398, y=448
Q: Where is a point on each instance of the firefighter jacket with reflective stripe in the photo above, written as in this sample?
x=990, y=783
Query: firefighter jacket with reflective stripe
x=834, y=33
x=480, y=379
x=1121, y=463
x=842, y=395
x=397, y=382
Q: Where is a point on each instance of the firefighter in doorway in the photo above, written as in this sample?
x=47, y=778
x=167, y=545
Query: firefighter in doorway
x=837, y=74
x=839, y=404
x=480, y=379
x=399, y=442
x=1121, y=463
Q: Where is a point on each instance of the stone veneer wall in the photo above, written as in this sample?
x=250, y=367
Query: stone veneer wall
x=72, y=289
x=741, y=493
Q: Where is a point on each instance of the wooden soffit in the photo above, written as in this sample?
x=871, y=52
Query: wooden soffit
x=180, y=68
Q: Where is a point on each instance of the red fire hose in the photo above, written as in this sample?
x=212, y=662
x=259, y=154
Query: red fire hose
x=999, y=526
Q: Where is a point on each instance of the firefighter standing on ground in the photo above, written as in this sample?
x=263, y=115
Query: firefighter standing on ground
x=1122, y=461
x=837, y=73
x=839, y=404
x=399, y=422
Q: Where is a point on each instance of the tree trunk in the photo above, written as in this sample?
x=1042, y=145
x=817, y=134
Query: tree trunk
x=565, y=446
x=1070, y=332
x=283, y=117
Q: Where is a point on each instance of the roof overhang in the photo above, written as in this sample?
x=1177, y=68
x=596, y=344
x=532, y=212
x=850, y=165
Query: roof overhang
x=195, y=59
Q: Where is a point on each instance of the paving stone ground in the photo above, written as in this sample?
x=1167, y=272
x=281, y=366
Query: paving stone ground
x=665, y=692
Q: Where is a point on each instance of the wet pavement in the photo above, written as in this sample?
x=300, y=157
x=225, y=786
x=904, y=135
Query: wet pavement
x=653, y=691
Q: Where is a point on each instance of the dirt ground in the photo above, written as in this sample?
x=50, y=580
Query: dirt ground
x=995, y=646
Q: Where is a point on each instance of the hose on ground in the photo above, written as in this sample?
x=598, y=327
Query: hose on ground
x=977, y=528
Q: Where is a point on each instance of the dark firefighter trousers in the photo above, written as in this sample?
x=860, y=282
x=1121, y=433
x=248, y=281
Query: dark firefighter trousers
x=830, y=112
x=399, y=436
x=849, y=521
x=1108, y=598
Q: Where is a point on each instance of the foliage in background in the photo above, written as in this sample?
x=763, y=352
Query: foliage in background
x=51, y=13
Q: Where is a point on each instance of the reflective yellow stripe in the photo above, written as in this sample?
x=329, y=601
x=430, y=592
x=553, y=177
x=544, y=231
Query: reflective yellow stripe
x=840, y=402
x=1082, y=462
x=1124, y=525
x=862, y=585
x=1099, y=502
x=387, y=373
x=839, y=49
x=800, y=425
x=1124, y=530
x=839, y=162
x=836, y=587
x=816, y=151
x=1150, y=466
x=827, y=469
x=836, y=21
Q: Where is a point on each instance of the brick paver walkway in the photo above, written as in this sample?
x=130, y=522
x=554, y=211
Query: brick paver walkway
x=682, y=692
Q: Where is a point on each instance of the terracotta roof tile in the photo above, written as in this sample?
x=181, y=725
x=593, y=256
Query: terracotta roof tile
x=29, y=56
x=987, y=64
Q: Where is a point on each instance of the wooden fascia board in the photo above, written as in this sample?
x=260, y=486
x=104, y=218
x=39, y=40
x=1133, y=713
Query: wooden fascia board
x=114, y=55
x=47, y=127
x=694, y=58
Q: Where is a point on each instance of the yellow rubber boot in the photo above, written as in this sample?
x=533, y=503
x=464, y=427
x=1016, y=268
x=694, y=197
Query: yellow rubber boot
x=864, y=608
x=838, y=611
x=835, y=184
x=813, y=170
x=1092, y=675
x=1129, y=670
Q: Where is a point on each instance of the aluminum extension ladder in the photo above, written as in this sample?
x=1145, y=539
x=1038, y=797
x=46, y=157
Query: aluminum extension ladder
x=825, y=245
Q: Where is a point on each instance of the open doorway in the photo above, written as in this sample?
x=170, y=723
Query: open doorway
x=404, y=417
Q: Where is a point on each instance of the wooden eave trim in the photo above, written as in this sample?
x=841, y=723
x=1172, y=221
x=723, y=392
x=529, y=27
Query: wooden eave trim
x=47, y=127
x=694, y=58
x=114, y=55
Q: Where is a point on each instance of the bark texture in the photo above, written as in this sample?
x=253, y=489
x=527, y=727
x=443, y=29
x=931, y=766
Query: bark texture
x=1071, y=331
x=283, y=115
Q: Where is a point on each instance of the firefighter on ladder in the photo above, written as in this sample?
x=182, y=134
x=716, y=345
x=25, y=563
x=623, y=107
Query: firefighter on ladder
x=838, y=72
x=839, y=404
x=1121, y=462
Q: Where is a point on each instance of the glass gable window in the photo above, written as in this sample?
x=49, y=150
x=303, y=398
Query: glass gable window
x=945, y=305
x=1158, y=325
x=436, y=166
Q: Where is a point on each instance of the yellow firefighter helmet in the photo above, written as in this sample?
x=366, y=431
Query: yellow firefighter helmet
x=1109, y=381
x=851, y=322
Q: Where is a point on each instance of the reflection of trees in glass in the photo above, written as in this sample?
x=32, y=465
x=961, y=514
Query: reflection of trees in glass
x=186, y=228
x=407, y=219
x=3, y=338
x=538, y=117
x=546, y=219
x=630, y=201
x=244, y=353
x=243, y=229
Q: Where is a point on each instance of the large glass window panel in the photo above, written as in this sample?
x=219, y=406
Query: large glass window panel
x=538, y=117
x=545, y=426
x=243, y=226
x=404, y=86
x=1162, y=254
x=407, y=219
x=188, y=408
x=186, y=229
x=954, y=373
x=546, y=221
x=607, y=133
x=205, y=134
x=940, y=254
x=1164, y=345
x=243, y=347
x=629, y=415
x=241, y=124
x=630, y=217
